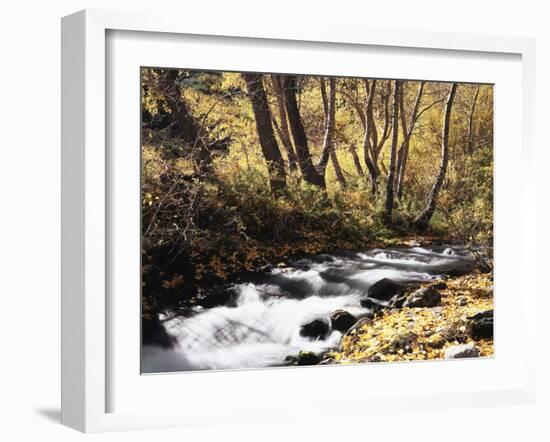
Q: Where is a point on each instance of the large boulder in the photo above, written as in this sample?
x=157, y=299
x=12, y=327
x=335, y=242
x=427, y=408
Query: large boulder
x=342, y=320
x=385, y=289
x=482, y=326
x=308, y=358
x=316, y=329
x=462, y=351
x=424, y=297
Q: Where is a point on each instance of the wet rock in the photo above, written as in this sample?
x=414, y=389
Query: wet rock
x=481, y=315
x=385, y=289
x=439, y=285
x=290, y=360
x=307, y=358
x=327, y=361
x=215, y=296
x=462, y=351
x=342, y=320
x=373, y=305
x=482, y=325
x=316, y=329
x=424, y=297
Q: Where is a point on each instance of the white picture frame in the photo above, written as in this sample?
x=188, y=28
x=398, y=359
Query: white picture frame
x=86, y=315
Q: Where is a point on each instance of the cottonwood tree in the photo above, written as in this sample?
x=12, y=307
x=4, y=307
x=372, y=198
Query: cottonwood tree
x=393, y=153
x=264, y=128
x=407, y=128
x=424, y=217
x=470, y=134
x=305, y=162
x=282, y=127
x=329, y=151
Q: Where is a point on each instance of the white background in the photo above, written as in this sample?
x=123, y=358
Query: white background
x=29, y=222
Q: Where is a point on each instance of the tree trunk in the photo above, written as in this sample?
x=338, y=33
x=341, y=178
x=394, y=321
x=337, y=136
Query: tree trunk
x=330, y=113
x=404, y=149
x=268, y=143
x=298, y=133
x=338, y=170
x=370, y=136
x=470, y=139
x=356, y=161
x=284, y=131
x=393, y=153
x=191, y=130
x=423, y=219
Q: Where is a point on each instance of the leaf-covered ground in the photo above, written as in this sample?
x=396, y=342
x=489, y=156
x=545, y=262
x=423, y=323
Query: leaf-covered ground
x=423, y=333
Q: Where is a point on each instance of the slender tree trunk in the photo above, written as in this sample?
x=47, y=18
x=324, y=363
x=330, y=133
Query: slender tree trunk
x=268, y=143
x=404, y=149
x=284, y=130
x=330, y=113
x=379, y=144
x=423, y=219
x=190, y=128
x=338, y=170
x=370, y=136
x=470, y=139
x=356, y=162
x=329, y=107
x=393, y=153
x=298, y=133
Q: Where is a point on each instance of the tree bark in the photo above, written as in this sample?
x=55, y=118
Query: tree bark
x=356, y=162
x=329, y=105
x=423, y=219
x=268, y=143
x=393, y=153
x=298, y=133
x=283, y=126
x=338, y=170
x=370, y=137
x=407, y=129
x=470, y=135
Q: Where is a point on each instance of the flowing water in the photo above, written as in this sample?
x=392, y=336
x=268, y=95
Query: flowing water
x=263, y=326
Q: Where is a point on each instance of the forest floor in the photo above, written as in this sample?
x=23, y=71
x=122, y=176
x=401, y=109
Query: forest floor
x=423, y=333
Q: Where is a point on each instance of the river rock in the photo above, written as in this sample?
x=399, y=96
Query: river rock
x=424, y=297
x=385, y=289
x=482, y=325
x=462, y=351
x=342, y=320
x=373, y=305
x=308, y=358
x=290, y=360
x=439, y=285
x=316, y=329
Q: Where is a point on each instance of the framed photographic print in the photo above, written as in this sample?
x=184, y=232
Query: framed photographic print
x=272, y=210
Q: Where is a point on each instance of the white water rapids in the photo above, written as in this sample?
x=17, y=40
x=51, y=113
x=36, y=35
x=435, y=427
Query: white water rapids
x=263, y=327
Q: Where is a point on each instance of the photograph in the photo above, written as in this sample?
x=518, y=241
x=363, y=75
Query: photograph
x=292, y=219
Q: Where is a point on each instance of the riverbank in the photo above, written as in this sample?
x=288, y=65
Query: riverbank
x=424, y=333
